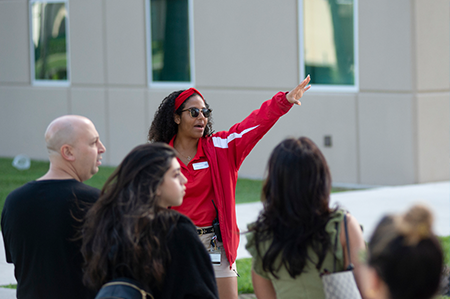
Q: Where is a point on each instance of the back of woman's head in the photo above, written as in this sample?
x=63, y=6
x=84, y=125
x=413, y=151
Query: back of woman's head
x=298, y=183
x=406, y=255
x=124, y=231
x=296, y=206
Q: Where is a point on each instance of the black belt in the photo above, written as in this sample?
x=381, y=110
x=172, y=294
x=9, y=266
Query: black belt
x=202, y=231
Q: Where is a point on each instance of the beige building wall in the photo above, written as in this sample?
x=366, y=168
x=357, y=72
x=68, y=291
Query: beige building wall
x=432, y=62
x=395, y=130
x=14, y=43
x=404, y=95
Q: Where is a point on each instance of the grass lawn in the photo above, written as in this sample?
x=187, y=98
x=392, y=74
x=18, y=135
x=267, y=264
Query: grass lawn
x=10, y=178
x=248, y=190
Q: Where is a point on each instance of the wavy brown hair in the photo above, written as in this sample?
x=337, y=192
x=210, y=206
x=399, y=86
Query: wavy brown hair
x=163, y=127
x=125, y=231
x=296, y=210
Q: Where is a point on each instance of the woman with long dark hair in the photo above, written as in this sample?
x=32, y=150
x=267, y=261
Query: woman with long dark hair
x=405, y=257
x=292, y=241
x=130, y=233
x=211, y=162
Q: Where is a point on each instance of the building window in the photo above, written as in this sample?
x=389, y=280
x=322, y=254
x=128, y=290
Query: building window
x=328, y=49
x=170, y=47
x=49, y=42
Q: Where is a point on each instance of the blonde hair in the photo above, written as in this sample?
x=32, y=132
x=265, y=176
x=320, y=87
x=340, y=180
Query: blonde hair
x=415, y=225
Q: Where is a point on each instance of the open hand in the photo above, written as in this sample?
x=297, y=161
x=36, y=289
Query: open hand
x=294, y=95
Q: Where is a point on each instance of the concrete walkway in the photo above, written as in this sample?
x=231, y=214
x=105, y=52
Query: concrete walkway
x=367, y=206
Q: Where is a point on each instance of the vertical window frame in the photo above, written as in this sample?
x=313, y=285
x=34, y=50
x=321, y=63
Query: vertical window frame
x=40, y=82
x=329, y=87
x=174, y=84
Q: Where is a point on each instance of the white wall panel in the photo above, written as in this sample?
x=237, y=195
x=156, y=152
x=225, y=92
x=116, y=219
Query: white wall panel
x=25, y=114
x=387, y=139
x=386, y=45
x=246, y=44
x=125, y=42
x=126, y=121
x=87, y=51
x=14, y=42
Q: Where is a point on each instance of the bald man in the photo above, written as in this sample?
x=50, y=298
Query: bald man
x=39, y=220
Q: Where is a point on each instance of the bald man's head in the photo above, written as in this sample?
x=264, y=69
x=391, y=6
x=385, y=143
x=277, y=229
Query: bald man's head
x=74, y=146
x=64, y=130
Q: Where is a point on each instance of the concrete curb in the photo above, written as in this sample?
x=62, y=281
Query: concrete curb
x=7, y=293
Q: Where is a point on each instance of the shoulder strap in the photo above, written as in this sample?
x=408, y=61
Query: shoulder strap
x=350, y=265
x=144, y=294
x=335, y=247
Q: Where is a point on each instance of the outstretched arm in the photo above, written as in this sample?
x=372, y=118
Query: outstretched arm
x=295, y=94
x=242, y=137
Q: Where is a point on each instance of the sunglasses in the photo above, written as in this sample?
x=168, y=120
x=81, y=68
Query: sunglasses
x=195, y=112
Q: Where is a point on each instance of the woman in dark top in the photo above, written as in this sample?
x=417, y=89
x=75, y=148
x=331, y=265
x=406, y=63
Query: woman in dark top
x=129, y=232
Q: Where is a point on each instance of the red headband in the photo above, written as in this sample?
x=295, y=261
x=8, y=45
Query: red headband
x=185, y=95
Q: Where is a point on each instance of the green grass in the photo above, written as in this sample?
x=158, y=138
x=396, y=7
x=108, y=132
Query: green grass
x=10, y=286
x=99, y=179
x=11, y=178
x=445, y=243
x=244, y=268
x=248, y=190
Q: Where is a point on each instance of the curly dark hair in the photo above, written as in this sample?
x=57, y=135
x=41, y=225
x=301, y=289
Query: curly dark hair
x=296, y=197
x=163, y=127
x=125, y=231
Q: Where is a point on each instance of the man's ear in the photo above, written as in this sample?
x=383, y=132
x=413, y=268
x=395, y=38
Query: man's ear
x=67, y=153
x=177, y=119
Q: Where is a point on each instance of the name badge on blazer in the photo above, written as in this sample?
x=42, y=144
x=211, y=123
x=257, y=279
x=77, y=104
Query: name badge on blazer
x=200, y=165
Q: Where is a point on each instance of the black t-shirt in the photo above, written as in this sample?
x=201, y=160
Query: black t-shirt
x=190, y=273
x=38, y=226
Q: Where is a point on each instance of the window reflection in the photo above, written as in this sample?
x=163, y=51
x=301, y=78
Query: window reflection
x=328, y=41
x=49, y=40
x=170, y=41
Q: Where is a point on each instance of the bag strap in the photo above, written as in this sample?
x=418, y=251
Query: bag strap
x=350, y=265
x=143, y=292
x=335, y=248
